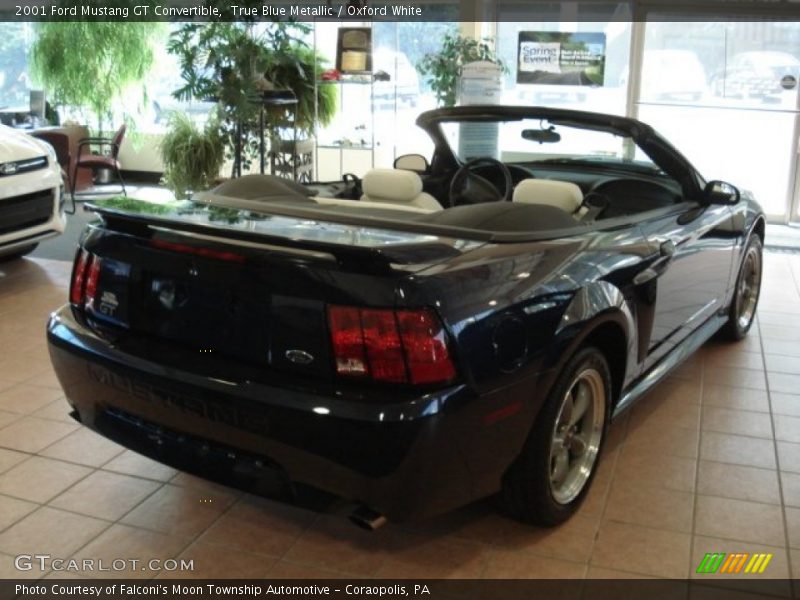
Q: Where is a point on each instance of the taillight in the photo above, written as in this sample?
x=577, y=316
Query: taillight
x=425, y=346
x=91, y=281
x=403, y=346
x=85, y=276
x=348, y=341
x=78, y=277
x=384, y=352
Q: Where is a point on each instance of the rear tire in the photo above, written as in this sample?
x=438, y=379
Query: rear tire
x=744, y=303
x=18, y=253
x=551, y=477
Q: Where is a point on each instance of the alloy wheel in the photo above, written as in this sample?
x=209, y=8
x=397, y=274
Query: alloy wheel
x=577, y=435
x=749, y=286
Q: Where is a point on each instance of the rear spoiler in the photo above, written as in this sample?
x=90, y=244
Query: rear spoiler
x=249, y=231
x=388, y=220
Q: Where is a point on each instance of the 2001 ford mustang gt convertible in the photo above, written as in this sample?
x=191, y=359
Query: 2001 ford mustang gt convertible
x=447, y=332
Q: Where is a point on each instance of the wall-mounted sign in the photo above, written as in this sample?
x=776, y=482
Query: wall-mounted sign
x=559, y=58
x=354, y=50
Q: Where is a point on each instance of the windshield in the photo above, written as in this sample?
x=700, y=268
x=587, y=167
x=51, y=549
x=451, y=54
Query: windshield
x=531, y=141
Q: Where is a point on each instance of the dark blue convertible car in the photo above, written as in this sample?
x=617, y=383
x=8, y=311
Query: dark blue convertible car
x=432, y=334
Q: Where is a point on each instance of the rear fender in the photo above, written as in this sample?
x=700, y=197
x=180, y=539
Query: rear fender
x=598, y=303
x=592, y=307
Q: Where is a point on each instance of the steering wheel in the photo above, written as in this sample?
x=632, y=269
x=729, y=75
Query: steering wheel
x=467, y=187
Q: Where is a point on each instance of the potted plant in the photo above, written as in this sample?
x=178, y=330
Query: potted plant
x=442, y=69
x=192, y=156
x=298, y=68
x=235, y=63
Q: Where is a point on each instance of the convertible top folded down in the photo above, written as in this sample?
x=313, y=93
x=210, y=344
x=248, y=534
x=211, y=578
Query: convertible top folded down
x=506, y=217
x=260, y=192
x=262, y=187
x=497, y=217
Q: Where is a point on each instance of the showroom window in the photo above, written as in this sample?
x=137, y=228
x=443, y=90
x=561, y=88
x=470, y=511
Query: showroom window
x=359, y=139
x=15, y=84
x=400, y=46
x=601, y=86
x=726, y=94
x=602, y=25
x=16, y=40
x=696, y=80
x=164, y=78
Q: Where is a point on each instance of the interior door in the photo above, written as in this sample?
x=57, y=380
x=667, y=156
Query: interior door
x=690, y=271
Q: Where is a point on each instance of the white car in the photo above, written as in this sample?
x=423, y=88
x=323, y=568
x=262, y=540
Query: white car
x=31, y=193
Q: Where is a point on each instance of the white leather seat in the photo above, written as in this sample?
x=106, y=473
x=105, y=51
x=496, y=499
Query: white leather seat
x=399, y=187
x=562, y=194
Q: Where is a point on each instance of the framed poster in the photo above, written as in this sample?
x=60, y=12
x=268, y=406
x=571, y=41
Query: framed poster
x=561, y=58
x=354, y=50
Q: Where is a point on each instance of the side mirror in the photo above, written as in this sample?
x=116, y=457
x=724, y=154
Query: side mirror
x=720, y=192
x=412, y=162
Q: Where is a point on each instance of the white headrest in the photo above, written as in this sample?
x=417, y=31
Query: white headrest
x=391, y=185
x=561, y=194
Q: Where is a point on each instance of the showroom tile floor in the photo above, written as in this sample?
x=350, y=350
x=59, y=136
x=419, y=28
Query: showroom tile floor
x=710, y=462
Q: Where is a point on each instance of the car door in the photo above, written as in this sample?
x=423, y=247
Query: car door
x=688, y=273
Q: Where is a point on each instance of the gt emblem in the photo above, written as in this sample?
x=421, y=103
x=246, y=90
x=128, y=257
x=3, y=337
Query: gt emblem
x=8, y=168
x=300, y=357
x=108, y=303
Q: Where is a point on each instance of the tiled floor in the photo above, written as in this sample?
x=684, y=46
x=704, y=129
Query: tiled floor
x=710, y=462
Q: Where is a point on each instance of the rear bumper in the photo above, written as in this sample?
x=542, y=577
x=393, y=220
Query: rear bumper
x=404, y=459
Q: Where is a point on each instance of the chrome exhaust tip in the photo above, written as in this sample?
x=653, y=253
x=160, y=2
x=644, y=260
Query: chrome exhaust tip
x=366, y=518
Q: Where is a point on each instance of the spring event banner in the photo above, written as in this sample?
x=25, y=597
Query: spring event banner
x=561, y=58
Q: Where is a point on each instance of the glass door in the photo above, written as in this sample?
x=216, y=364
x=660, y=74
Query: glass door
x=726, y=94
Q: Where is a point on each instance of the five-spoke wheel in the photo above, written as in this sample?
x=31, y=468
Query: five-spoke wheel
x=742, y=311
x=577, y=435
x=550, y=478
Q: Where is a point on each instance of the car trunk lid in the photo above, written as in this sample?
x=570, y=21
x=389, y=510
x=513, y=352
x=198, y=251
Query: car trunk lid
x=233, y=285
